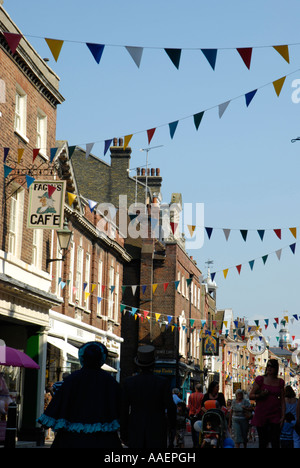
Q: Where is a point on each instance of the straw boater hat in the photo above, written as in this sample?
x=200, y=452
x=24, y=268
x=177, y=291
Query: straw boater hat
x=145, y=356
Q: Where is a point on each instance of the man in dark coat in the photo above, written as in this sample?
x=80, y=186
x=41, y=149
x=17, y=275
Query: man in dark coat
x=147, y=409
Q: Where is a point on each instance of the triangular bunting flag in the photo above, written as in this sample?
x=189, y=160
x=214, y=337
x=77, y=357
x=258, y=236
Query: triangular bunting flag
x=51, y=190
x=238, y=267
x=112, y=288
x=107, y=144
x=197, y=119
x=278, y=253
x=144, y=289
x=172, y=128
x=92, y=205
x=20, y=154
x=122, y=306
x=261, y=233
x=251, y=263
x=226, y=233
x=154, y=286
x=191, y=229
x=136, y=54
x=96, y=50
x=127, y=139
x=35, y=152
x=157, y=317
x=176, y=284
x=150, y=134
x=225, y=272
x=294, y=232
x=246, y=54
x=283, y=50
x=212, y=275
x=249, y=96
x=7, y=170
x=223, y=107
x=244, y=233
x=188, y=281
x=6, y=151
x=71, y=198
x=165, y=286
x=278, y=233
x=174, y=55
x=264, y=258
x=211, y=56
x=293, y=247
x=88, y=149
x=55, y=46
x=52, y=153
x=133, y=289
x=278, y=85
x=29, y=180
x=173, y=227
x=209, y=231
x=71, y=150
x=12, y=40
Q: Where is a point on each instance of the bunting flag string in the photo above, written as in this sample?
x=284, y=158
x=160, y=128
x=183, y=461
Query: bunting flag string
x=136, y=52
x=190, y=323
x=244, y=232
x=197, y=117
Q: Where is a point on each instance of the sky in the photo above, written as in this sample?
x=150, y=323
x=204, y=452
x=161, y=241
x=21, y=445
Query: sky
x=242, y=167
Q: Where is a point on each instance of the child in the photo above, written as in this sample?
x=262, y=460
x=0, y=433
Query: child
x=180, y=423
x=286, y=436
x=210, y=436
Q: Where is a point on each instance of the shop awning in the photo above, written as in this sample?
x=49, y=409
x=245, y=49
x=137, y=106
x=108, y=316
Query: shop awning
x=72, y=350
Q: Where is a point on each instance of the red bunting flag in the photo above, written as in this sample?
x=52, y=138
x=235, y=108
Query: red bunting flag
x=165, y=286
x=150, y=134
x=13, y=40
x=278, y=233
x=35, y=152
x=246, y=54
x=238, y=267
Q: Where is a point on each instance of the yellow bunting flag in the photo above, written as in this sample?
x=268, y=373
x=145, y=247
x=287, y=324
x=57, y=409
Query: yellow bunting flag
x=71, y=198
x=93, y=287
x=157, y=316
x=278, y=85
x=225, y=272
x=294, y=232
x=55, y=46
x=286, y=319
x=283, y=50
x=127, y=139
x=20, y=154
x=154, y=286
x=191, y=229
x=86, y=295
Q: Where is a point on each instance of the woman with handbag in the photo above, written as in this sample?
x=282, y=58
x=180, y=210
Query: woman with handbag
x=239, y=419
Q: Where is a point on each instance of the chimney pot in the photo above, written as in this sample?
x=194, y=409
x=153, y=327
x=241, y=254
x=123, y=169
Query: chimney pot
x=121, y=142
x=138, y=171
x=143, y=172
x=115, y=141
x=158, y=171
x=152, y=171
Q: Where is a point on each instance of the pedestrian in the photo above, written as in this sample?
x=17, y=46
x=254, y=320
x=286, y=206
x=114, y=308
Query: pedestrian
x=48, y=395
x=238, y=420
x=195, y=411
x=176, y=395
x=172, y=429
x=85, y=411
x=180, y=423
x=268, y=391
x=213, y=396
x=147, y=405
x=291, y=403
x=286, y=435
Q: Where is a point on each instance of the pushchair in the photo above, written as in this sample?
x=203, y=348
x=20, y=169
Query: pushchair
x=213, y=429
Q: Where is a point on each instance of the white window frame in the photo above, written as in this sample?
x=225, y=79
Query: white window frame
x=116, y=295
x=100, y=279
x=71, y=272
x=20, y=123
x=182, y=334
x=37, y=247
x=15, y=227
x=78, y=279
x=41, y=133
x=87, y=280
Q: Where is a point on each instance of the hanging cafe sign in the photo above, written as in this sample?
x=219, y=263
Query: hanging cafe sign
x=46, y=205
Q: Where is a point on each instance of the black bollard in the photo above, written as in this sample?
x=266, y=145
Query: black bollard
x=11, y=426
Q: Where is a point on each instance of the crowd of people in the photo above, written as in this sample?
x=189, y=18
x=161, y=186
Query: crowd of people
x=90, y=409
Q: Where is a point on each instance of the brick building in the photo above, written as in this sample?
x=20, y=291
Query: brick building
x=163, y=299
x=28, y=105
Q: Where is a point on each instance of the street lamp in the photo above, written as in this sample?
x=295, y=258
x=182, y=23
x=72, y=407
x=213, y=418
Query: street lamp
x=64, y=237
